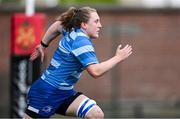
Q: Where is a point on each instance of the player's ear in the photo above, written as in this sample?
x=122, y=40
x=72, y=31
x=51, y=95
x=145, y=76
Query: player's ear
x=84, y=25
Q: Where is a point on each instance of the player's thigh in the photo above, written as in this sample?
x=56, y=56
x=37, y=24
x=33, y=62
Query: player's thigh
x=73, y=107
x=82, y=106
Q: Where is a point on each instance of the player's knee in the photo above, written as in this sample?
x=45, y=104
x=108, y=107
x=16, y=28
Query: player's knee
x=96, y=113
x=89, y=109
x=26, y=117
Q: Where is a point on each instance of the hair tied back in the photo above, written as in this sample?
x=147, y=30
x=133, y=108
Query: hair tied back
x=77, y=10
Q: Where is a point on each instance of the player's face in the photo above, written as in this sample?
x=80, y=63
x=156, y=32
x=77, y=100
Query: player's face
x=93, y=26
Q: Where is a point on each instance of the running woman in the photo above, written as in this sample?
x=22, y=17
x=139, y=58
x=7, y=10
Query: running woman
x=54, y=93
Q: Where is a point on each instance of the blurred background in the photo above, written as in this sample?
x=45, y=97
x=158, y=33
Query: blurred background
x=147, y=84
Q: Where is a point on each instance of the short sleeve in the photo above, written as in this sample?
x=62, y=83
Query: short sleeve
x=83, y=50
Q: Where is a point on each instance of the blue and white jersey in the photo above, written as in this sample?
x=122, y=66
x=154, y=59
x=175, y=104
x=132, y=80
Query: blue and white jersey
x=74, y=54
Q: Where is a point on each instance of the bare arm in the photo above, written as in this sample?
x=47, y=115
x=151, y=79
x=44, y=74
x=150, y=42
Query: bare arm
x=52, y=32
x=97, y=70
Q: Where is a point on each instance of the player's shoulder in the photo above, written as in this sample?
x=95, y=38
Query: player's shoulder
x=80, y=38
x=77, y=34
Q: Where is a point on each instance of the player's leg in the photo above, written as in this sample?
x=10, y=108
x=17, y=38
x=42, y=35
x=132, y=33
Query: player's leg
x=26, y=116
x=81, y=106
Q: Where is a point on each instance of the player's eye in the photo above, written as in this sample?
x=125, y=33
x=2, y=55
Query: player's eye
x=97, y=21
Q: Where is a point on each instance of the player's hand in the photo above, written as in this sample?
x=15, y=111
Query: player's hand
x=123, y=53
x=38, y=52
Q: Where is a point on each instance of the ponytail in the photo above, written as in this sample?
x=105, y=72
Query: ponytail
x=73, y=17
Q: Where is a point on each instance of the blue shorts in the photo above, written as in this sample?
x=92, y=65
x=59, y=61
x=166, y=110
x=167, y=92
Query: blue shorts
x=44, y=99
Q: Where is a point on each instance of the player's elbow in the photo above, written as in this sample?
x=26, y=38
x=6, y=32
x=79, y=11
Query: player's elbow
x=94, y=71
x=95, y=75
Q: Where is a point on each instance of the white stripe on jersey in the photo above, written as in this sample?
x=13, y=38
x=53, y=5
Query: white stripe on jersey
x=74, y=34
x=55, y=63
x=82, y=34
x=63, y=49
x=83, y=49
